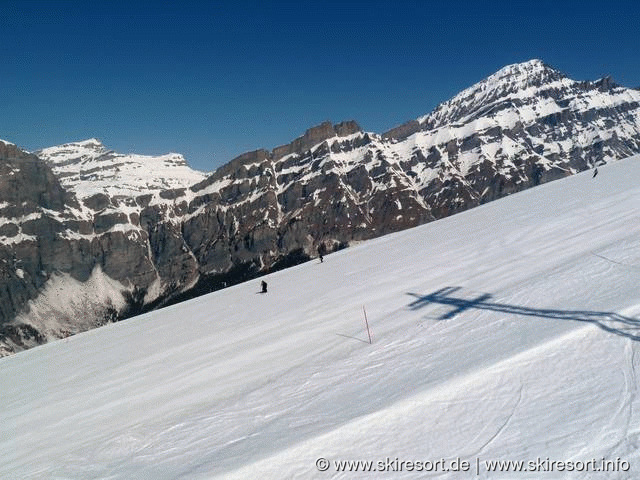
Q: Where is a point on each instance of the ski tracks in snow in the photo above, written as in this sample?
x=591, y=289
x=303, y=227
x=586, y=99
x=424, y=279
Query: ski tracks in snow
x=502, y=427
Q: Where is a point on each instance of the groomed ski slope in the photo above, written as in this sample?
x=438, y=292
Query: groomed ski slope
x=507, y=332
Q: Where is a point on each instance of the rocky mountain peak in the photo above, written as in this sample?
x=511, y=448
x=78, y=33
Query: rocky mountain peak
x=7, y=149
x=73, y=151
x=511, y=84
x=238, y=167
x=514, y=82
x=89, y=168
x=316, y=135
x=606, y=83
x=90, y=143
x=532, y=72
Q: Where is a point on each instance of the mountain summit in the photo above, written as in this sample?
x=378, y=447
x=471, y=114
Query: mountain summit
x=121, y=234
x=89, y=168
x=512, y=84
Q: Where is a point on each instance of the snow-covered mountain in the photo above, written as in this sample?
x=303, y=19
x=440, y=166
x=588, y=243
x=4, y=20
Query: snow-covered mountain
x=127, y=232
x=506, y=333
x=88, y=168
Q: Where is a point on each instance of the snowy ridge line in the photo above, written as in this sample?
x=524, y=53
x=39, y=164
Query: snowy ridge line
x=313, y=148
x=448, y=388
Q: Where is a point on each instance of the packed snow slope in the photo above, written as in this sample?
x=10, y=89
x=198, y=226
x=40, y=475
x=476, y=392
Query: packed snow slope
x=507, y=332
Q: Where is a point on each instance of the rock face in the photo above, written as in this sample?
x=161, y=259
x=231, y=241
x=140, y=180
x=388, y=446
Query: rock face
x=89, y=236
x=74, y=258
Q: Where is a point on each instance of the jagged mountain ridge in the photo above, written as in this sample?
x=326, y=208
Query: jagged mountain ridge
x=540, y=107
x=117, y=247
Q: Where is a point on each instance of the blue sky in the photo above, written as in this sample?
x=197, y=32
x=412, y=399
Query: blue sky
x=211, y=80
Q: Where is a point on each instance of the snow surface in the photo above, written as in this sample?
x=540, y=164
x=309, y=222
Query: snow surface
x=507, y=332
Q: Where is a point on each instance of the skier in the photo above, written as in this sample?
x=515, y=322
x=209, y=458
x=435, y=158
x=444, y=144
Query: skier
x=595, y=172
x=322, y=250
x=264, y=286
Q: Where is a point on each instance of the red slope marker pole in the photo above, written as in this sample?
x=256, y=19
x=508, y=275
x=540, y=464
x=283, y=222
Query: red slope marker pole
x=367, y=323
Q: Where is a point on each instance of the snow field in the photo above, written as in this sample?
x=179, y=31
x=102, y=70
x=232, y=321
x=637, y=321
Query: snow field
x=505, y=332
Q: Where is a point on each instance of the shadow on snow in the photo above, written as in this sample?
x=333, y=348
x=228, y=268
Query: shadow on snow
x=609, y=321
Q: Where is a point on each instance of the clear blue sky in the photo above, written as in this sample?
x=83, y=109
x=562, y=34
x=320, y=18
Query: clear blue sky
x=211, y=80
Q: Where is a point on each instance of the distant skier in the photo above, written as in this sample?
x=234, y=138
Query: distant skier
x=322, y=251
x=264, y=286
x=595, y=172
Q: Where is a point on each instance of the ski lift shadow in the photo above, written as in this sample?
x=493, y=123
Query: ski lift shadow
x=352, y=338
x=611, y=322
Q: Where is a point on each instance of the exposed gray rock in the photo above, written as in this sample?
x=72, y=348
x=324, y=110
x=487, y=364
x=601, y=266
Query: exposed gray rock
x=314, y=136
